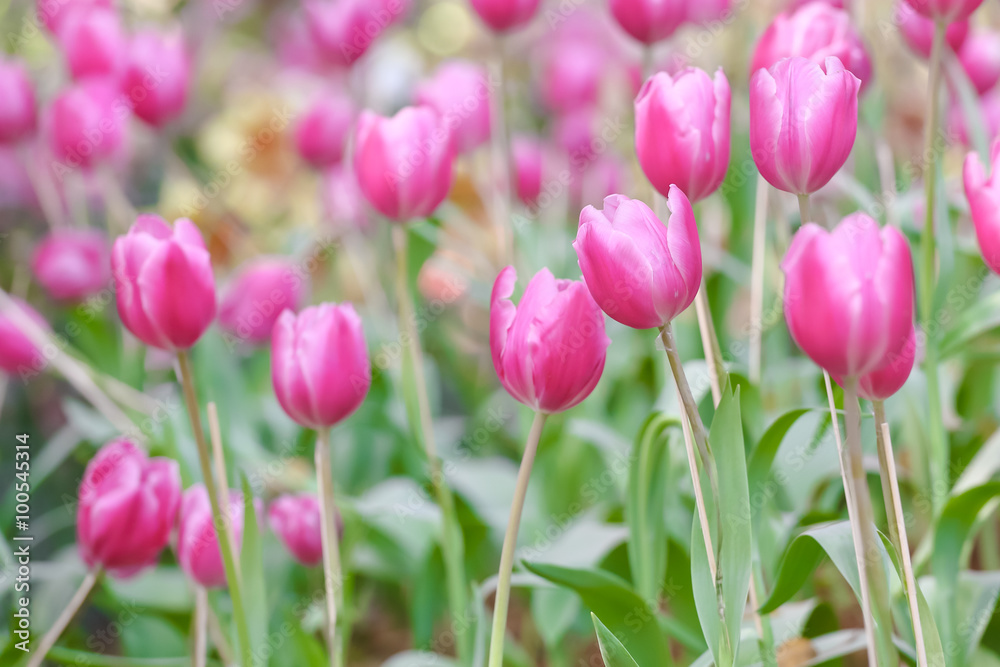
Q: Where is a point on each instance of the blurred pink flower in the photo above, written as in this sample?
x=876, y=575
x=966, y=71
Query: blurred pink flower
x=604, y=175
x=295, y=519
x=650, y=21
x=86, y=124
x=343, y=30
x=93, y=42
x=528, y=154
x=989, y=108
x=322, y=131
x=197, y=539
x=571, y=75
x=343, y=203
x=948, y=10
x=18, y=355
x=983, y=194
x=918, y=31
x=980, y=58
x=54, y=12
x=18, y=110
x=461, y=92
x=504, y=15
x=261, y=290
x=158, y=76
x=72, y=264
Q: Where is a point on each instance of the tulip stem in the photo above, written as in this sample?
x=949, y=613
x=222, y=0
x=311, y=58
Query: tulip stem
x=502, y=601
x=897, y=525
x=804, y=212
x=939, y=456
x=219, y=520
x=503, y=176
x=45, y=190
x=200, y=625
x=757, y=279
x=451, y=540
x=332, y=572
x=52, y=636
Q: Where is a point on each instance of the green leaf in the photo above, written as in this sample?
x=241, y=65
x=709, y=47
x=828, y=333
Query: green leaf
x=980, y=317
x=611, y=598
x=968, y=99
x=932, y=639
x=252, y=574
x=612, y=651
x=762, y=458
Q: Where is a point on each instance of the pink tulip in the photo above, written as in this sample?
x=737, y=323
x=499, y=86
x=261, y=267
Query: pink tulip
x=642, y=272
x=946, y=10
x=164, y=282
x=682, y=131
x=815, y=31
x=86, y=124
x=16, y=191
x=18, y=355
x=322, y=132
x=260, y=292
x=296, y=520
x=918, y=31
x=343, y=30
x=93, y=42
x=460, y=91
x=18, y=112
x=404, y=164
x=577, y=134
x=838, y=4
x=605, y=175
x=549, y=350
x=984, y=203
x=989, y=108
x=571, y=75
x=980, y=58
x=707, y=11
x=803, y=122
x=128, y=505
x=505, y=15
x=54, y=12
x=849, y=295
x=72, y=264
x=343, y=203
x=197, y=540
x=650, y=21
x=157, y=76
x=529, y=157
x=293, y=43
x=319, y=364
x=890, y=377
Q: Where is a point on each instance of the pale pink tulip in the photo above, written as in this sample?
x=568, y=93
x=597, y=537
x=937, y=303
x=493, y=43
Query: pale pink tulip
x=86, y=124
x=946, y=10
x=322, y=131
x=72, y=264
x=158, y=76
x=980, y=58
x=529, y=157
x=18, y=111
x=198, y=550
x=256, y=298
x=460, y=91
x=296, y=520
x=918, y=31
x=984, y=203
x=18, y=354
x=93, y=42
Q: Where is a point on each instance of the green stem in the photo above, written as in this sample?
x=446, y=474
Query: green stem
x=50, y=638
x=219, y=519
x=502, y=601
x=451, y=543
x=804, y=211
x=332, y=574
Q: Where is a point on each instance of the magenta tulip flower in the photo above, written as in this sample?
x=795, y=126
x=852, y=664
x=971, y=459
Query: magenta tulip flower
x=128, y=505
x=296, y=520
x=984, y=204
x=319, y=364
x=571, y=75
x=682, y=131
x=946, y=10
x=849, y=295
x=404, y=163
x=260, y=292
x=460, y=91
x=803, y=122
x=86, y=124
x=197, y=539
x=18, y=111
x=157, y=76
x=650, y=21
x=505, y=15
x=322, y=131
x=980, y=58
x=164, y=282
x=529, y=158
x=548, y=350
x=918, y=31
x=343, y=30
x=815, y=31
x=93, y=42
x=18, y=355
x=890, y=377
x=54, y=13
x=72, y=264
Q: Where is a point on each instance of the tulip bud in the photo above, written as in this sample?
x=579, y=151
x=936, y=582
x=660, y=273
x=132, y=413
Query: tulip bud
x=505, y=15
x=945, y=10
x=72, y=264
x=529, y=157
x=197, y=539
x=319, y=364
x=93, y=42
x=980, y=58
x=296, y=520
x=549, y=350
x=460, y=92
x=803, y=122
x=404, y=164
x=18, y=355
x=849, y=295
x=682, y=131
x=157, y=76
x=165, y=287
x=128, y=505
x=322, y=132
x=815, y=31
x=343, y=30
x=984, y=203
x=258, y=295
x=18, y=113
x=918, y=31
x=650, y=21
x=86, y=124
x=890, y=377
x=571, y=75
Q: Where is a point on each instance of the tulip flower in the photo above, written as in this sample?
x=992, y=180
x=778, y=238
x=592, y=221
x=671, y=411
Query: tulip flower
x=93, y=42
x=890, y=377
x=72, y=264
x=815, y=31
x=197, y=540
x=157, y=76
x=18, y=354
x=260, y=292
x=164, y=282
x=605, y=176
x=343, y=30
x=948, y=11
x=980, y=58
x=86, y=124
x=128, y=505
x=918, y=32
x=529, y=157
x=849, y=295
x=343, y=202
x=984, y=203
x=296, y=520
x=322, y=132
x=640, y=271
x=54, y=13
x=571, y=75
x=404, y=164
x=682, y=131
x=460, y=92
x=18, y=112
x=650, y=21
x=803, y=122
x=549, y=350
x=505, y=15
x=319, y=364
x=989, y=108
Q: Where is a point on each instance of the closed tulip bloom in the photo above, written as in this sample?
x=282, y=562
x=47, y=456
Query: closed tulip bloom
x=165, y=287
x=296, y=520
x=980, y=58
x=984, y=204
x=946, y=10
x=197, y=539
x=54, y=12
x=682, y=131
x=650, y=21
x=890, y=377
x=157, y=76
x=18, y=355
x=529, y=157
x=640, y=271
x=460, y=92
x=321, y=133
x=815, y=31
x=571, y=75
x=257, y=296
x=343, y=30
x=18, y=111
x=803, y=122
x=849, y=294
x=72, y=264
x=128, y=503
x=504, y=15
x=918, y=31
x=86, y=124
x=405, y=163
x=549, y=349
x=319, y=364
x=93, y=42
